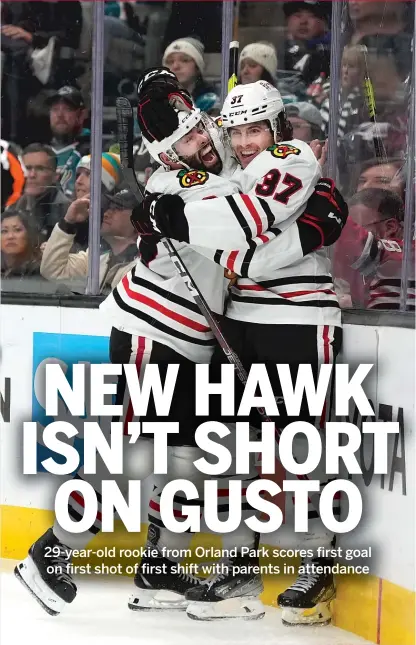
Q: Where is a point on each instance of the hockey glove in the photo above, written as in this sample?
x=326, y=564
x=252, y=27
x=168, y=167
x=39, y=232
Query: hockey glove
x=161, y=215
x=326, y=212
x=159, y=98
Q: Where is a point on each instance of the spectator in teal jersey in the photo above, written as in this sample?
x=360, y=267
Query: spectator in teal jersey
x=70, y=140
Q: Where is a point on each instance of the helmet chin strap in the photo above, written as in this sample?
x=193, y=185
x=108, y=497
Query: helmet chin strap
x=174, y=158
x=275, y=127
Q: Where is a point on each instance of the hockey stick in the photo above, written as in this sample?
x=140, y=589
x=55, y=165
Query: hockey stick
x=125, y=135
x=234, y=51
x=371, y=107
x=233, y=65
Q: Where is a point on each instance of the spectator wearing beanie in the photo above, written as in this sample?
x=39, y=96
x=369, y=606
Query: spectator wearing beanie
x=258, y=62
x=306, y=121
x=110, y=179
x=110, y=174
x=185, y=58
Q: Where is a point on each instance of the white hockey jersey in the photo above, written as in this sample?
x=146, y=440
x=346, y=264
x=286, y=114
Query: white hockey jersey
x=152, y=300
x=275, y=188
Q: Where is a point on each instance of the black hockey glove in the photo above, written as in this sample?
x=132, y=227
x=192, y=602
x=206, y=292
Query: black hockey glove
x=161, y=215
x=324, y=216
x=159, y=93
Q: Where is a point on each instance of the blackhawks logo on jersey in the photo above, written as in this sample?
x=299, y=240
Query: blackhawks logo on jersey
x=283, y=150
x=189, y=178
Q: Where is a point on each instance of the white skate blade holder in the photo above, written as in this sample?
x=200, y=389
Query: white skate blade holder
x=28, y=574
x=321, y=614
x=152, y=599
x=242, y=607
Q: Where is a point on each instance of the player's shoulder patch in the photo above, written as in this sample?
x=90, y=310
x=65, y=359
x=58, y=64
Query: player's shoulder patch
x=283, y=150
x=189, y=178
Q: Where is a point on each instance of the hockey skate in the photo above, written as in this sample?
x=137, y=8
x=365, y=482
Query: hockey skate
x=231, y=593
x=45, y=573
x=308, y=600
x=160, y=583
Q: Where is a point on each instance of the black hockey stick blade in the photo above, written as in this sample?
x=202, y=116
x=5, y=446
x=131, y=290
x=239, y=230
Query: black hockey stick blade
x=124, y=113
x=125, y=123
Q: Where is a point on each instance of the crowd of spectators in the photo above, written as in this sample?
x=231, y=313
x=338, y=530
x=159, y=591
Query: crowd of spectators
x=46, y=83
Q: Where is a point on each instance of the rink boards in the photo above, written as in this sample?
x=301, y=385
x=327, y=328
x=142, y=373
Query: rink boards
x=378, y=607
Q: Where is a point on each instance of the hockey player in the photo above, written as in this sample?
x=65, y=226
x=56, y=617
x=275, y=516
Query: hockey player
x=287, y=314
x=155, y=320
x=181, y=153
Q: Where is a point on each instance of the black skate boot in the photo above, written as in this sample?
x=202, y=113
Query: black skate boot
x=160, y=583
x=308, y=600
x=232, y=592
x=45, y=573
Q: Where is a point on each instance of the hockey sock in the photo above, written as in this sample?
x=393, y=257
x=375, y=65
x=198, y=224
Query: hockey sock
x=138, y=465
x=243, y=535
x=76, y=512
x=169, y=544
x=180, y=460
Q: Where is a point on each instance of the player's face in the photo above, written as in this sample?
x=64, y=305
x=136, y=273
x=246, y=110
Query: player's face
x=250, y=140
x=197, y=150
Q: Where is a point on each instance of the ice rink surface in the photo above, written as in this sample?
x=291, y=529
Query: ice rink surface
x=100, y=616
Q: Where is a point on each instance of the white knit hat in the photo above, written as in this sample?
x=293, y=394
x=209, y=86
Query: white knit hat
x=262, y=53
x=189, y=46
